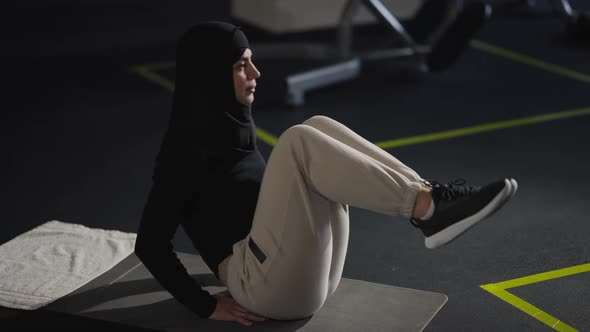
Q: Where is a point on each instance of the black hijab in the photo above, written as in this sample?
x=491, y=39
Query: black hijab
x=204, y=75
x=204, y=91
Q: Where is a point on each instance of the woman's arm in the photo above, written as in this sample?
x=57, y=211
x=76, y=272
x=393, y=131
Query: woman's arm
x=161, y=216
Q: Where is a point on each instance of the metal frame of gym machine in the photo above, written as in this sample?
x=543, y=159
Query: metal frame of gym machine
x=577, y=22
x=561, y=6
x=565, y=10
x=349, y=65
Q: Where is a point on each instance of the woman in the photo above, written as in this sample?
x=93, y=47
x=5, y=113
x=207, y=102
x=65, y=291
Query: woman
x=276, y=236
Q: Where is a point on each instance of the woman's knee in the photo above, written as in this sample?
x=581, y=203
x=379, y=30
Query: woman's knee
x=295, y=136
x=317, y=119
x=295, y=132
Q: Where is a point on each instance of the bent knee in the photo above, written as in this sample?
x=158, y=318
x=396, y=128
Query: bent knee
x=317, y=119
x=296, y=131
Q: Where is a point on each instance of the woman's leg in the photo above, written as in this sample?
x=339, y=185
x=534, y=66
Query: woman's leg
x=345, y=135
x=284, y=268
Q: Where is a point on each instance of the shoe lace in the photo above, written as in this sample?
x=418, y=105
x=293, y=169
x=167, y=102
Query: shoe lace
x=453, y=189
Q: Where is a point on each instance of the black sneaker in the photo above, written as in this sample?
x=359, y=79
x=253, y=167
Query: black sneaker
x=459, y=207
x=511, y=191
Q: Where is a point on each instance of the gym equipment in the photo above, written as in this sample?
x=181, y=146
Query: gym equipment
x=432, y=42
x=577, y=23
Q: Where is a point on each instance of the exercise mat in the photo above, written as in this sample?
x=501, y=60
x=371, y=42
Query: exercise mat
x=128, y=294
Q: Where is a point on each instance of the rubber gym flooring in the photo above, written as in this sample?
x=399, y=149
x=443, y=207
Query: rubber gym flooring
x=81, y=128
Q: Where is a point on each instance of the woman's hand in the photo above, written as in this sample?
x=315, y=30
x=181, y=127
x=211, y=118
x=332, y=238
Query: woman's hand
x=228, y=309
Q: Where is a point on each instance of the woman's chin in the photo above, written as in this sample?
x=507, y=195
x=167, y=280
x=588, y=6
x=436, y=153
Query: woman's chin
x=249, y=99
x=246, y=101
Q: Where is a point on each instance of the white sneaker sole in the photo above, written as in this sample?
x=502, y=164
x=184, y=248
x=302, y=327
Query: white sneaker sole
x=511, y=193
x=450, y=233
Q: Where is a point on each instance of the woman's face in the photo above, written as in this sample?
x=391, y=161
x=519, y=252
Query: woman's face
x=245, y=75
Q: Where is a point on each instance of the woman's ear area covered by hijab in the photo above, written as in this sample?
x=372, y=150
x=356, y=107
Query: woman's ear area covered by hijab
x=204, y=84
x=206, y=116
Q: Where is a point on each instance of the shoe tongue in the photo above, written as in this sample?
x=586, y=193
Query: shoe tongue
x=451, y=191
x=461, y=190
x=458, y=189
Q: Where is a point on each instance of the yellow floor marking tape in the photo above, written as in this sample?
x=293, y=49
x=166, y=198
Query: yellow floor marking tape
x=152, y=76
x=529, y=60
x=160, y=65
x=265, y=136
x=481, y=128
x=500, y=290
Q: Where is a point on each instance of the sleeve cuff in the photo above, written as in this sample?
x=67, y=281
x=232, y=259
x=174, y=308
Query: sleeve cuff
x=209, y=307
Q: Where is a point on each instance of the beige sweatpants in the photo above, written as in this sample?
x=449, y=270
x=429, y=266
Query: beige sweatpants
x=293, y=258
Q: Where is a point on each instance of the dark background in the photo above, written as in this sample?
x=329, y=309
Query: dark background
x=80, y=133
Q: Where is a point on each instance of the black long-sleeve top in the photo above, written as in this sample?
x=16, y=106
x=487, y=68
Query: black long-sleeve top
x=211, y=192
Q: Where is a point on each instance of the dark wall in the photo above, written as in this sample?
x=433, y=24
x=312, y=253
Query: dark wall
x=54, y=28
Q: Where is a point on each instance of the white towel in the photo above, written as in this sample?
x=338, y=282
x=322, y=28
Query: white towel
x=56, y=258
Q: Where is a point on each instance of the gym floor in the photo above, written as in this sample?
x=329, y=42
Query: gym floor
x=81, y=129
